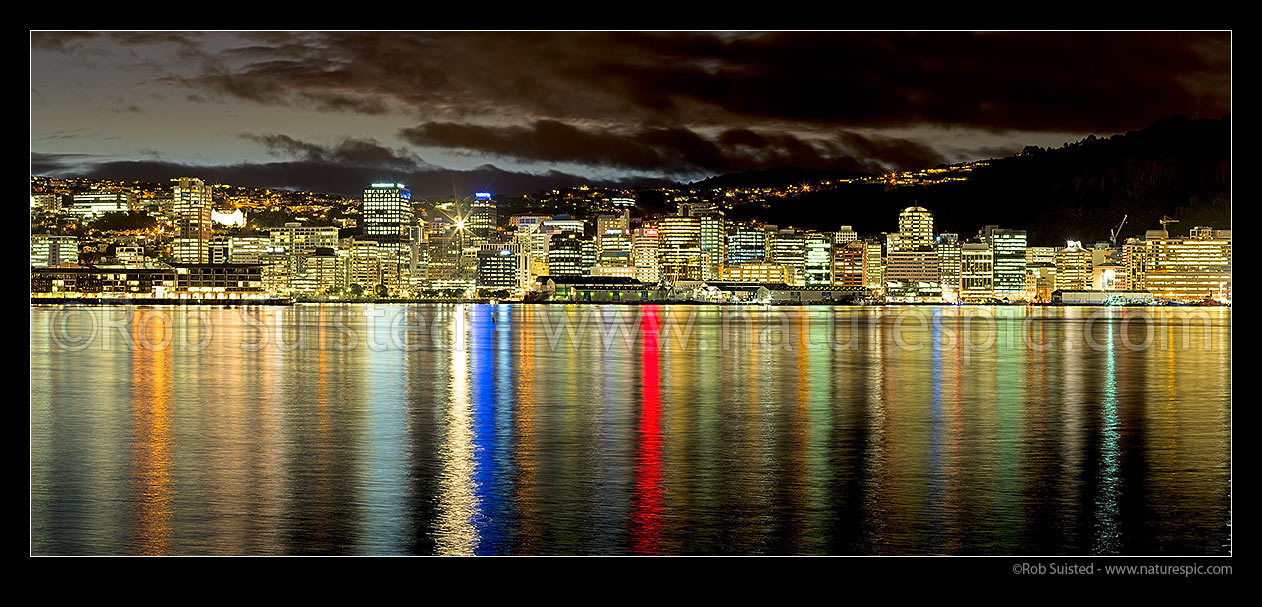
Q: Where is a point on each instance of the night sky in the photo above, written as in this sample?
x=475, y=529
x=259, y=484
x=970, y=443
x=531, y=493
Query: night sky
x=515, y=112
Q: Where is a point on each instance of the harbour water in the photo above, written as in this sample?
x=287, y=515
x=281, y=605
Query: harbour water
x=520, y=429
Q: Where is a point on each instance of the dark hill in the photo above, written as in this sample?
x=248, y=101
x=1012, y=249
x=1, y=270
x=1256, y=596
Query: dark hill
x=1176, y=167
x=775, y=177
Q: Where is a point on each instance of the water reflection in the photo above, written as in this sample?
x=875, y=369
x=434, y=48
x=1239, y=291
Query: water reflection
x=656, y=430
x=153, y=483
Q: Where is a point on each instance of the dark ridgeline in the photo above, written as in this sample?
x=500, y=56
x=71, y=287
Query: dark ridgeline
x=770, y=178
x=1177, y=167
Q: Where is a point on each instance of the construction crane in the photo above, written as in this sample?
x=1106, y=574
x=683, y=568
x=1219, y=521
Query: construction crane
x=1165, y=220
x=1113, y=234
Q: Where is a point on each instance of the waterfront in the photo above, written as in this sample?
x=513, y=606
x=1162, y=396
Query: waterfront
x=518, y=429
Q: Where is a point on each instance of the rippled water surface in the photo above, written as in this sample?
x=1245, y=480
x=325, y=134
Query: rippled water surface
x=511, y=429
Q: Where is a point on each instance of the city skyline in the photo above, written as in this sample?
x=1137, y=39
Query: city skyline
x=661, y=293
x=384, y=247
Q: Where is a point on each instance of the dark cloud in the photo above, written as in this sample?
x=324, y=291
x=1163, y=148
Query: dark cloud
x=689, y=103
x=51, y=164
x=58, y=41
x=64, y=134
x=1083, y=81
x=322, y=176
x=673, y=151
x=350, y=152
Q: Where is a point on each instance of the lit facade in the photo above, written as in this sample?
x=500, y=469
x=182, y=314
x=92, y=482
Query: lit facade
x=644, y=252
x=713, y=243
x=948, y=249
x=191, y=202
x=93, y=205
x=483, y=217
x=1073, y=268
x=679, y=248
x=565, y=255
x=818, y=260
x=754, y=272
x=1188, y=269
x=789, y=250
x=915, y=228
x=874, y=270
x=912, y=265
x=849, y=263
x=1009, y=249
x=977, y=272
x=746, y=244
x=502, y=268
x=48, y=250
x=1040, y=281
x=387, y=211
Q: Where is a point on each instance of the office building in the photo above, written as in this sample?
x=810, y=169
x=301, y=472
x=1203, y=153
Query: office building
x=191, y=201
x=1073, y=267
x=48, y=250
x=849, y=264
x=679, y=248
x=915, y=228
x=1009, y=247
x=387, y=212
x=977, y=272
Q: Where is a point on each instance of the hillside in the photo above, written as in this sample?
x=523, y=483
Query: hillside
x=1176, y=167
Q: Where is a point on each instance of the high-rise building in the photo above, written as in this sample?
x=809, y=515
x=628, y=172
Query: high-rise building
x=247, y=249
x=1073, y=267
x=191, y=202
x=849, y=263
x=285, y=251
x=1189, y=269
x=566, y=255
x=817, y=263
x=294, y=237
x=1109, y=276
x=1040, y=255
x=679, y=248
x=320, y=272
x=948, y=248
x=1134, y=253
x=442, y=256
x=365, y=267
x=605, y=224
x=713, y=242
x=789, y=250
x=915, y=228
x=644, y=252
x=528, y=222
x=503, y=267
x=874, y=270
x=912, y=265
x=1009, y=248
x=845, y=234
x=746, y=243
x=220, y=250
x=614, y=248
x=483, y=217
x=387, y=212
x=977, y=272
